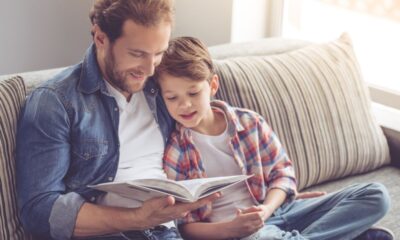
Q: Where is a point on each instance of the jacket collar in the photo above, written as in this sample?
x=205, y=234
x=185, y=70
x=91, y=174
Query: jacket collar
x=91, y=79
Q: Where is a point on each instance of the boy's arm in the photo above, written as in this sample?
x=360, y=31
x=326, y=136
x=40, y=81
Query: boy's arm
x=274, y=199
x=278, y=171
x=246, y=222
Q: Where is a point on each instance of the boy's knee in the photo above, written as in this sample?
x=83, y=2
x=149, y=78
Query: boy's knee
x=380, y=195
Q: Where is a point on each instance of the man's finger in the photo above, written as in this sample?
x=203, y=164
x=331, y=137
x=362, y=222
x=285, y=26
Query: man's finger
x=163, y=202
x=195, y=205
x=206, y=200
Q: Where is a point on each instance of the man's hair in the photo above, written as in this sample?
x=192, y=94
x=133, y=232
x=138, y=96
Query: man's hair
x=110, y=15
x=186, y=57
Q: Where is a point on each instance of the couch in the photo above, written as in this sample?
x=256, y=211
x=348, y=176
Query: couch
x=311, y=94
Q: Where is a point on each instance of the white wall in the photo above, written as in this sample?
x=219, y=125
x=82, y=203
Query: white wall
x=249, y=20
x=209, y=20
x=223, y=21
x=42, y=34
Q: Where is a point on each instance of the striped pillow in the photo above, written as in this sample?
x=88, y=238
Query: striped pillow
x=315, y=100
x=12, y=96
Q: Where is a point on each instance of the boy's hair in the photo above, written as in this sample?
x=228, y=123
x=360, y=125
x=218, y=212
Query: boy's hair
x=186, y=57
x=110, y=15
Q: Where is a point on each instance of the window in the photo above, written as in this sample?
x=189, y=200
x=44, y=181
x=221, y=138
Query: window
x=374, y=26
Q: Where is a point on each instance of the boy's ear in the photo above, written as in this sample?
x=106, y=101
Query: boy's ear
x=214, y=84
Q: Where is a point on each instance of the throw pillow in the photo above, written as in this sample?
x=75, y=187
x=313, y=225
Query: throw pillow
x=12, y=96
x=315, y=100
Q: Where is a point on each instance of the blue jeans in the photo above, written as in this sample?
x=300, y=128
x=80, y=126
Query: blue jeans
x=157, y=233
x=340, y=215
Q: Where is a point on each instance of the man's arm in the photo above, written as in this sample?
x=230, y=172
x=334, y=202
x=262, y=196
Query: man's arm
x=42, y=161
x=96, y=220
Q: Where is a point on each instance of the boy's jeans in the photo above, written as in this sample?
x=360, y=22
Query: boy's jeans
x=340, y=215
x=157, y=233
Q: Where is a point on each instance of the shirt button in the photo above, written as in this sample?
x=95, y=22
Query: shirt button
x=110, y=179
x=92, y=199
x=116, y=109
x=152, y=90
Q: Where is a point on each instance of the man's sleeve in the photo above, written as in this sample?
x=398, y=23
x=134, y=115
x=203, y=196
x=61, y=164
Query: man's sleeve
x=275, y=161
x=43, y=158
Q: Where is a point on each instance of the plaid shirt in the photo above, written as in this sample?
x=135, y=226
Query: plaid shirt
x=255, y=148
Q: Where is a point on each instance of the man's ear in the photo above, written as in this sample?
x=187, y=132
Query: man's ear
x=214, y=84
x=100, y=39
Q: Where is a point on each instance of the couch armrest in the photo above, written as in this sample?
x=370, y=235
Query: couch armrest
x=393, y=138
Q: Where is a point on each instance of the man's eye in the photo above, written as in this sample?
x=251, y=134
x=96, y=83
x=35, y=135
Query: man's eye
x=170, y=98
x=135, y=54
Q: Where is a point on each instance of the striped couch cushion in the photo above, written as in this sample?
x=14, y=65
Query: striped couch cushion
x=315, y=100
x=12, y=96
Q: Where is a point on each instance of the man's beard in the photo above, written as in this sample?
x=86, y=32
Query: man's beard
x=118, y=79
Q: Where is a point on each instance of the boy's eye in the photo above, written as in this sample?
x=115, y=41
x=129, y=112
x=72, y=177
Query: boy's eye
x=193, y=93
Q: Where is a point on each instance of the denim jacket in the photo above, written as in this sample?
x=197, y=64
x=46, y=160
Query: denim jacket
x=67, y=139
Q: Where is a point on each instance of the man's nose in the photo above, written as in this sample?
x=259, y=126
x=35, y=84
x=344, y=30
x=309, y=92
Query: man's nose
x=149, y=65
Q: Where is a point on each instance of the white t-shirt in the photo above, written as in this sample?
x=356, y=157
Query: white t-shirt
x=218, y=161
x=141, y=146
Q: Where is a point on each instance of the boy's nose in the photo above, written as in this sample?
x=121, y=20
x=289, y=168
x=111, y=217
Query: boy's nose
x=185, y=104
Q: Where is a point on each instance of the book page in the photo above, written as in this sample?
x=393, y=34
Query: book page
x=184, y=191
x=164, y=185
x=138, y=192
x=205, y=186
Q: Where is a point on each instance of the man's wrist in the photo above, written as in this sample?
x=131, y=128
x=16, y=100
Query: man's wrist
x=138, y=219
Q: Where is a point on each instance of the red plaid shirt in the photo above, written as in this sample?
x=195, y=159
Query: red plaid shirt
x=255, y=148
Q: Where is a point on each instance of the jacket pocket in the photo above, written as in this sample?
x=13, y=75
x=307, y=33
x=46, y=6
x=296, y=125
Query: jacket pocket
x=90, y=149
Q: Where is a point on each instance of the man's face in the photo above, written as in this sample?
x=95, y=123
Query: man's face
x=131, y=59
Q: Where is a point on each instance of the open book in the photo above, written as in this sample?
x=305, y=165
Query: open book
x=184, y=191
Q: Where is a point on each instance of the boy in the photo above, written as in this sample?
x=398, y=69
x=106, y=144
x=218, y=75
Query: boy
x=214, y=139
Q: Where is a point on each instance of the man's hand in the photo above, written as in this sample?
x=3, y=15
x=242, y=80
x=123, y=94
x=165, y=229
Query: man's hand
x=304, y=195
x=160, y=210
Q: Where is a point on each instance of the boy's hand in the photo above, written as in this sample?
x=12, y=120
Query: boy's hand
x=160, y=210
x=247, y=221
x=264, y=210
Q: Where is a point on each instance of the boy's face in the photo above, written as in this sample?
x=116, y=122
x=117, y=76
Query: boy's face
x=188, y=101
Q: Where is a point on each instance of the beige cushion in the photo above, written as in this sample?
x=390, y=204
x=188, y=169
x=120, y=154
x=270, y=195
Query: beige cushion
x=12, y=96
x=315, y=100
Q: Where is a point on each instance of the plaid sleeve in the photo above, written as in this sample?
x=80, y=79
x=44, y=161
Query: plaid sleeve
x=175, y=166
x=174, y=158
x=277, y=167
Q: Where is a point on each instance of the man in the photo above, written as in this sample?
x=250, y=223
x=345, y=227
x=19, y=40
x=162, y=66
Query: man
x=100, y=120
